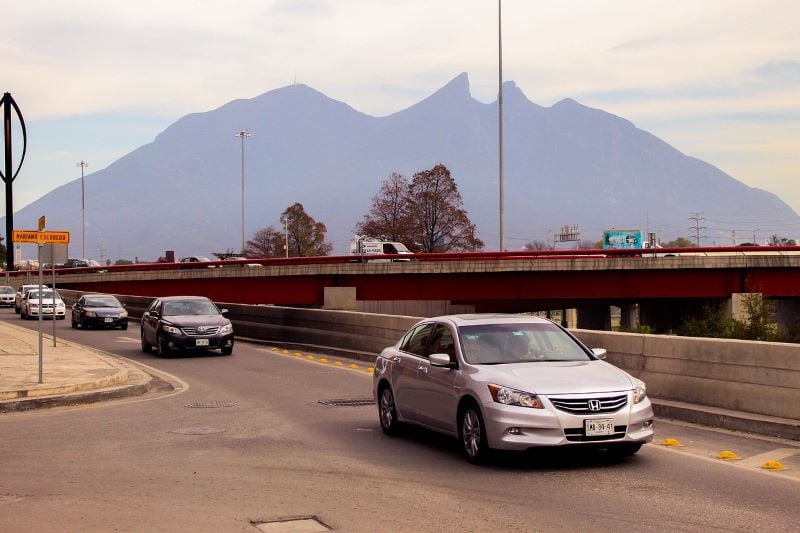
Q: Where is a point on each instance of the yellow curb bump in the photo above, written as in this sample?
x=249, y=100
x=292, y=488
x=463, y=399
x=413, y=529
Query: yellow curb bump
x=370, y=370
x=298, y=355
x=352, y=365
x=671, y=443
x=274, y=349
x=285, y=351
x=310, y=357
x=338, y=363
x=772, y=465
x=323, y=361
x=727, y=455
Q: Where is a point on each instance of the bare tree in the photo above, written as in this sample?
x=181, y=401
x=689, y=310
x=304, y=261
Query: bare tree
x=266, y=242
x=535, y=245
x=437, y=214
x=388, y=217
x=306, y=235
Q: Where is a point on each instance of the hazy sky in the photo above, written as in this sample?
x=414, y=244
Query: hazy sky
x=717, y=79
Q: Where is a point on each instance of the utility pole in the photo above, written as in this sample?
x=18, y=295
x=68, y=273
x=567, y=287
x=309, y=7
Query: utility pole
x=83, y=165
x=500, y=121
x=243, y=135
x=697, y=218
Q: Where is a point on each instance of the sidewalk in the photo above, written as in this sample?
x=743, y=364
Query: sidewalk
x=71, y=374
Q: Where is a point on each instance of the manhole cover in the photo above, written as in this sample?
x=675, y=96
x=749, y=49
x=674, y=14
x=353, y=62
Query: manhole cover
x=348, y=402
x=210, y=405
x=304, y=524
x=197, y=431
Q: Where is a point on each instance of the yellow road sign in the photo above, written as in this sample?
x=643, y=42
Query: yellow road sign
x=41, y=237
x=42, y=222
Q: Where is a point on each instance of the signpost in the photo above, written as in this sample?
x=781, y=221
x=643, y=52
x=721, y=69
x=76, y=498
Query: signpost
x=42, y=238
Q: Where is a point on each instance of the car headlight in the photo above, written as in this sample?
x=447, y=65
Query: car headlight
x=90, y=314
x=639, y=391
x=509, y=396
x=171, y=329
x=123, y=314
x=227, y=328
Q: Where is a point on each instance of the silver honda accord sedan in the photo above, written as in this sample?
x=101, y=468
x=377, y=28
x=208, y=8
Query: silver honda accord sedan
x=509, y=382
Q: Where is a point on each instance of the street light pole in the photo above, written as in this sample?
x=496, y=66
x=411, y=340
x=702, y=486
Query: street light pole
x=500, y=119
x=83, y=165
x=241, y=135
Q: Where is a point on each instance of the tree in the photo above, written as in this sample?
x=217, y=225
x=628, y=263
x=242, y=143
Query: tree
x=3, y=256
x=306, y=235
x=680, y=242
x=781, y=241
x=535, y=246
x=123, y=262
x=437, y=214
x=266, y=242
x=388, y=218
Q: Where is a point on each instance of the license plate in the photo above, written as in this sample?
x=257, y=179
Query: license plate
x=108, y=320
x=599, y=426
x=201, y=342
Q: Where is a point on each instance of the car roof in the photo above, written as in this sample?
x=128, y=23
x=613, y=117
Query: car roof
x=181, y=298
x=477, y=319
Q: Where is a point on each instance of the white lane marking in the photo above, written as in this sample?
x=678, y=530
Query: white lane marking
x=773, y=455
x=127, y=339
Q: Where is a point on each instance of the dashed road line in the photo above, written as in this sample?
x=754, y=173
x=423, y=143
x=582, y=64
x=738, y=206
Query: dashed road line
x=321, y=360
x=778, y=454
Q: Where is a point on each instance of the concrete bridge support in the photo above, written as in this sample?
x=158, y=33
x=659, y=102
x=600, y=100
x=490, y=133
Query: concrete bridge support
x=596, y=317
x=788, y=318
x=667, y=315
x=629, y=317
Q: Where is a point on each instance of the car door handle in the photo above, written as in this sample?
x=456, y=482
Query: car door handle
x=396, y=359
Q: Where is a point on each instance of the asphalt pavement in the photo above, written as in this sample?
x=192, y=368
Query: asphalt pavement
x=73, y=374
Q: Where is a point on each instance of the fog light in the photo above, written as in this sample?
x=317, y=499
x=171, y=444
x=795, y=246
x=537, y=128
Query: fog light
x=514, y=431
x=647, y=424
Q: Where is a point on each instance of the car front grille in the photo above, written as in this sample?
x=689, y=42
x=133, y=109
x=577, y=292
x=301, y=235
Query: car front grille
x=201, y=330
x=590, y=406
x=578, y=435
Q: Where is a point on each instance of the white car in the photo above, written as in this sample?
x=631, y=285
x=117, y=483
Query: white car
x=20, y=293
x=509, y=382
x=50, y=305
x=7, y=293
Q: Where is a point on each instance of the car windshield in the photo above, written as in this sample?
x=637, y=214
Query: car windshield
x=190, y=307
x=6, y=290
x=101, y=301
x=34, y=295
x=494, y=344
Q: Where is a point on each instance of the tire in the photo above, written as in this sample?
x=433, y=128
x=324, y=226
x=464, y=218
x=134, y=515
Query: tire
x=73, y=323
x=162, y=350
x=123, y=327
x=146, y=346
x=387, y=411
x=23, y=316
x=227, y=350
x=83, y=324
x=472, y=433
x=624, y=450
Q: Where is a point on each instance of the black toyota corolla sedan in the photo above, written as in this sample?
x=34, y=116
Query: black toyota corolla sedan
x=184, y=323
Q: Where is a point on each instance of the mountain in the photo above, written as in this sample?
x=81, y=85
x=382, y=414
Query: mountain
x=566, y=164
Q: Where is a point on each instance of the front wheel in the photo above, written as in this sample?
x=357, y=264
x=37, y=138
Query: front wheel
x=387, y=412
x=73, y=323
x=473, y=435
x=227, y=350
x=162, y=349
x=146, y=346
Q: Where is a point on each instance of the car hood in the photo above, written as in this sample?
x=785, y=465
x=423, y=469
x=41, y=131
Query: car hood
x=196, y=320
x=563, y=377
x=104, y=310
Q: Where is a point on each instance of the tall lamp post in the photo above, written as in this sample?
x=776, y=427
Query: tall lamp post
x=241, y=135
x=83, y=165
x=500, y=119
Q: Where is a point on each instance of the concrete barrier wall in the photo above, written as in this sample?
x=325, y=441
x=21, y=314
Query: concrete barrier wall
x=756, y=377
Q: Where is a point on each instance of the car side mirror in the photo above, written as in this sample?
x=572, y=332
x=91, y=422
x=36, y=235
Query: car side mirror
x=600, y=353
x=440, y=359
x=223, y=311
x=153, y=314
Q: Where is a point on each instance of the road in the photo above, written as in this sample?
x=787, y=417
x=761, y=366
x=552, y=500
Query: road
x=247, y=441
